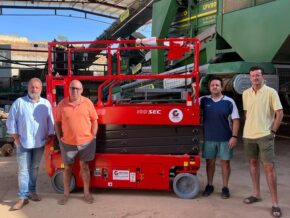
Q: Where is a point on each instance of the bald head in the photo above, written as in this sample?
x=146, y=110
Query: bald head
x=76, y=83
x=75, y=90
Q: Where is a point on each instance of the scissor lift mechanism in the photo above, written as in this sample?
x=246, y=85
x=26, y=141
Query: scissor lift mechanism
x=131, y=171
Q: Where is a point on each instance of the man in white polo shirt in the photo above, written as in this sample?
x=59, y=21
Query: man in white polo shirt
x=263, y=115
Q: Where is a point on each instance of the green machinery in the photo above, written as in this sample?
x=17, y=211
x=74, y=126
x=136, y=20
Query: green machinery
x=235, y=35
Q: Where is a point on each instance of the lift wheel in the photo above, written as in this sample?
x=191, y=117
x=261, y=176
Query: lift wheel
x=57, y=181
x=186, y=185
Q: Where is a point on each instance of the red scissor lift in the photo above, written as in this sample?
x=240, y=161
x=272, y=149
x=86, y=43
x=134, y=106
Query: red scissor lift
x=152, y=171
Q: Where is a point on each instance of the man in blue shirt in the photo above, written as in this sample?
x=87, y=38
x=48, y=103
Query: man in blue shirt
x=221, y=125
x=30, y=122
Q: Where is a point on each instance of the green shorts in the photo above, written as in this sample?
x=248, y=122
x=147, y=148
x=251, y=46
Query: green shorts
x=211, y=150
x=260, y=148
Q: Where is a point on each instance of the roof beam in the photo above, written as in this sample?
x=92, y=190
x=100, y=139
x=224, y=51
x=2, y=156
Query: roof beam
x=100, y=2
x=108, y=4
x=56, y=8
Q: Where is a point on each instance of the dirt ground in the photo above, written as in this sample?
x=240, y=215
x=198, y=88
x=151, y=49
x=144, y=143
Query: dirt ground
x=134, y=203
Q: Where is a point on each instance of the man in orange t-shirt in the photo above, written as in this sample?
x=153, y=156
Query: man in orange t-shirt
x=76, y=127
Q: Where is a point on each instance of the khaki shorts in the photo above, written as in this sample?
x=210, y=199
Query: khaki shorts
x=260, y=148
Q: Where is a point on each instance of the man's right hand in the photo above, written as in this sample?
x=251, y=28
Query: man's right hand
x=193, y=85
x=16, y=139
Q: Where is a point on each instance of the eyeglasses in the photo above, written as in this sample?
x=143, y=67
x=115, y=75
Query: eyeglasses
x=75, y=88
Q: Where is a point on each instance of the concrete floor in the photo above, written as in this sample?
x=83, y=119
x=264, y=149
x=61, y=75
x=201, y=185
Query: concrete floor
x=149, y=204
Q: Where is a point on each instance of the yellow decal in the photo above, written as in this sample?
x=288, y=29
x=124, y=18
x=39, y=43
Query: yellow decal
x=185, y=164
x=209, y=6
x=197, y=16
x=136, y=68
x=149, y=86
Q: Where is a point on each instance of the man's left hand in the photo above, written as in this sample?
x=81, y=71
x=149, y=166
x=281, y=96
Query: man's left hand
x=49, y=139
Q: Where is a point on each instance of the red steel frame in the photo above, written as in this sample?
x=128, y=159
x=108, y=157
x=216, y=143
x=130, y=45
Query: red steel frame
x=146, y=171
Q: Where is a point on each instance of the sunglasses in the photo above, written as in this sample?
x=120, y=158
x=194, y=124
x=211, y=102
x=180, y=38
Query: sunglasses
x=75, y=88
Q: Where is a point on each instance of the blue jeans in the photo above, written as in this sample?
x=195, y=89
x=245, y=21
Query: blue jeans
x=28, y=163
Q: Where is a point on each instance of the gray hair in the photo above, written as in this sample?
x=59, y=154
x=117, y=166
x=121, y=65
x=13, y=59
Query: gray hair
x=34, y=79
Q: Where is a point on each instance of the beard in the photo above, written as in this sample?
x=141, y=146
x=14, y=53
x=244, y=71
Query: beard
x=34, y=95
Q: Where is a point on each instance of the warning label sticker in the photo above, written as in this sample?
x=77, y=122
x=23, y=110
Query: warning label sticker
x=121, y=174
x=132, y=177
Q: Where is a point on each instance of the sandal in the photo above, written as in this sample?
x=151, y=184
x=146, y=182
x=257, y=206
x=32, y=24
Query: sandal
x=89, y=199
x=63, y=200
x=251, y=200
x=19, y=204
x=276, y=212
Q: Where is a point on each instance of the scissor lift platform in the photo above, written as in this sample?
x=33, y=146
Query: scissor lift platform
x=152, y=169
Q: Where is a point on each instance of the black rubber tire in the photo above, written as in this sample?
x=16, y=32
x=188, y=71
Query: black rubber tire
x=57, y=182
x=186, y=185
x=6, y=150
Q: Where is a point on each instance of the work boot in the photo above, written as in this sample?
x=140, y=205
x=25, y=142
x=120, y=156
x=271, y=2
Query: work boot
x=208, y=190
x=20, y=204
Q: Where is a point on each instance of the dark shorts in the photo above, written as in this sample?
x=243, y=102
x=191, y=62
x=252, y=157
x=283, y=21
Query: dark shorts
x=85, y=152
x=260, y=148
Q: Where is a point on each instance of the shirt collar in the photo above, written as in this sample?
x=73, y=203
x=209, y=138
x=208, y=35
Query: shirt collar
x=78, y=103
x=262, y=89
x=30, y=100
x=216, y=100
